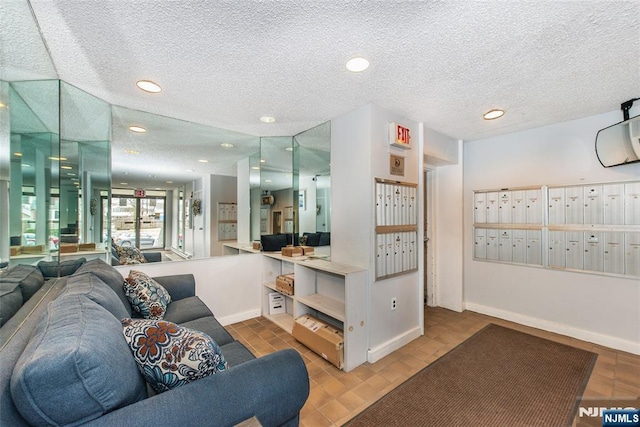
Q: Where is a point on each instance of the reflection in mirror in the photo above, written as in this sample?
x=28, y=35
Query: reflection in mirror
x=187, y=161
x=276, y=184
x=85, y=179
x=34, y=151
x=59, y=150
x=255, y=198
x=619, y=144
x=312, y=187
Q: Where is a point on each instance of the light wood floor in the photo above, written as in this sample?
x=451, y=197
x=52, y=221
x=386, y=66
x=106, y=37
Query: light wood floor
x=337, y=396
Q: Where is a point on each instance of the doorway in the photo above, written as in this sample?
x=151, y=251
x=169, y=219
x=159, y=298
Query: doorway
x=276, y=222
x=138, y=221
x=430, y=294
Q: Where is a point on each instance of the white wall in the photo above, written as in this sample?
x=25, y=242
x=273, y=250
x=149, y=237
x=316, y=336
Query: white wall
x=593, y=307
x=228, y=285
x=360, y=153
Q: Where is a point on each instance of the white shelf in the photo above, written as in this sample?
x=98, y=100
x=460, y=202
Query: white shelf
x=329, y=306
x=284, y=321
x=325, y=289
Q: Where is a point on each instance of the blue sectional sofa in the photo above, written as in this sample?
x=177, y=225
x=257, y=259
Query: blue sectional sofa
x=69, y=364
x=17, y=285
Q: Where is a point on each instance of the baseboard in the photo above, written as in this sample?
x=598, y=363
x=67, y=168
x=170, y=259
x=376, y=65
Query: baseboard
x=239, y=317
x=559, y=328
x=375, y=354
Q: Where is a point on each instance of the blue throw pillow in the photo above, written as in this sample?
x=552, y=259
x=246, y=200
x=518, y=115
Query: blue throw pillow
x=147, y=297
x=76, y=366
x=169, y=355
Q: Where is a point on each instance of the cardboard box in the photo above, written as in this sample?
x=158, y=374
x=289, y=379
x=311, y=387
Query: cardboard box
x=286, y=283
x=36, y=249
x=292, y=251
x=14, y=250
x=255, y=245
x=87, y=246
x=322, y=338
x=277, y=303
x=66, y=248
x=307, y=250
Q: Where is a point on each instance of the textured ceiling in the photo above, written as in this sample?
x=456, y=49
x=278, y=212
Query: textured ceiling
x=442, y=63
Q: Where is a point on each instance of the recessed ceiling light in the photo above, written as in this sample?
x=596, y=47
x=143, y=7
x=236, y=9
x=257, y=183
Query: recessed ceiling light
x=57, y=158
x=24, y=165
x=289, y=148
x=124, y=183
x=137, y=129
x=203, y=160
x=66, y=167
x=71, y=174
x=267, y=180
x=493, y=114
x=169, y=182
x=17, y=154
x=267, y=119
x=226, y=145
x=263, y=161
x=2, y=105
x=357, y=64
x=257, y=168
x=132, y=151
x=148, y=86
x=126, y=173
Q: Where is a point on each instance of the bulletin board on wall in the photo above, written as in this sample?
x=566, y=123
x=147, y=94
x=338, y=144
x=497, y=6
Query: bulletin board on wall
x=591, y=228
x=396, y=228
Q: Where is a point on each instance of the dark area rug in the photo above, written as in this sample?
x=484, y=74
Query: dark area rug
x=497, y=377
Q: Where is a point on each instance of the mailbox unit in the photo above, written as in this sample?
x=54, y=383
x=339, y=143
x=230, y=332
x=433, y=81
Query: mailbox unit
x=592, y=228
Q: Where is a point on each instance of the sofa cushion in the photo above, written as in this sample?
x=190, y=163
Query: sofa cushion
x=273, y=242
x=325, y=239
x=65, y=268
x=76, y=337
x=235, y=353
x=96, y=290
x=210, y=326
x=108, y=275
x=169, y=355
x=313, y=239
x=29, y=276
x=186, y=309
x=10, y=300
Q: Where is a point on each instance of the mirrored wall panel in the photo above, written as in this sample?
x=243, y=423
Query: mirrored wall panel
x=59, y=172
x=312, y=187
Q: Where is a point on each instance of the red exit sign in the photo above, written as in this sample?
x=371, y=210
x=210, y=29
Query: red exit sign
x=139, y=193
x=399, y=136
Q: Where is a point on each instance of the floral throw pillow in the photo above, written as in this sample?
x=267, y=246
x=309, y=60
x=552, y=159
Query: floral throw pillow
x=169, y=355
x=129, y=255
x=146, y=296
